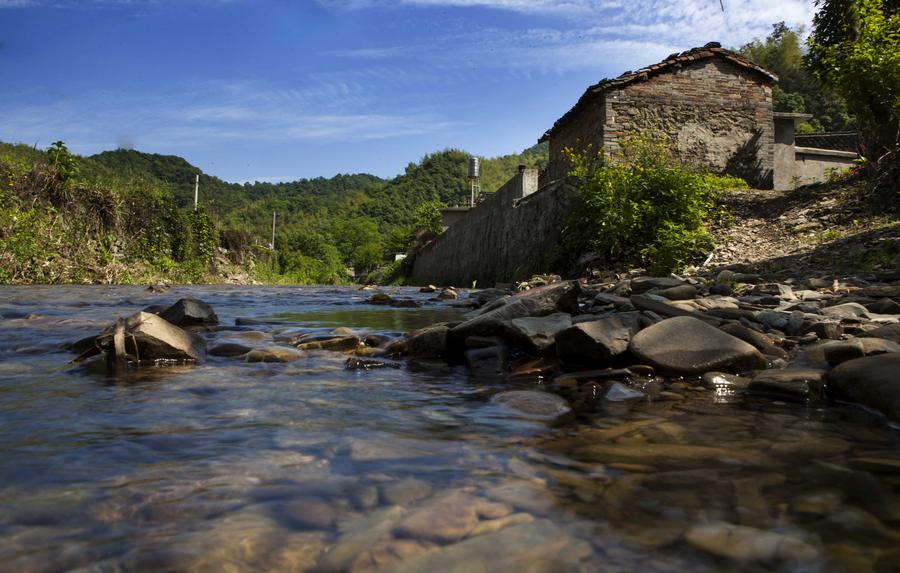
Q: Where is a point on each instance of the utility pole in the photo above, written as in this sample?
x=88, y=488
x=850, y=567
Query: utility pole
x=273, y=230
x=196, y=191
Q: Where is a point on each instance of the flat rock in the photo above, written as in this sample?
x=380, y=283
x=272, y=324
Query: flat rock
x=872, y=381
x=533, y=404
x=598, y=339
x=490, y=361
x=759, y=340
x=677, y=455
x=643, y=284
x=846, y=311
x=743, y=543
x=680, y=292
x=539, y=333
x=190, y=312
x=795, y=385
x=405, y=491
x=684, y=345
x=274, y=354
x=537, y=547
x=444, y=520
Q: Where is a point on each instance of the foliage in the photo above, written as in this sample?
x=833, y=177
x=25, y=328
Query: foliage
x=204, y=235
x=855, y=48
x=646, y=209
x=63, y=161
x=428, y=217
x=798, y=91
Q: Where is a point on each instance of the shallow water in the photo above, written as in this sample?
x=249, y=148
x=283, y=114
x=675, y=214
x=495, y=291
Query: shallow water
x=230, y=466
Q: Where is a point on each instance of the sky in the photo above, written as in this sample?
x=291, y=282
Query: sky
x=278, y=90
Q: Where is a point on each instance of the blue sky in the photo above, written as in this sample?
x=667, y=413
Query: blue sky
x=283, y=89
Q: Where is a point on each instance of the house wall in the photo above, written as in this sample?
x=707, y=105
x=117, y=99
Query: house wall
x=509, y=236
x=717, y=115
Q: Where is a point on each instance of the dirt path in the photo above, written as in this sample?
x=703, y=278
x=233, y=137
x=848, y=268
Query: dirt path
x=813, y=231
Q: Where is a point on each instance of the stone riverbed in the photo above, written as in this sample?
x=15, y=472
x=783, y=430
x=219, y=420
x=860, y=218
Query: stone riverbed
x=643, y=424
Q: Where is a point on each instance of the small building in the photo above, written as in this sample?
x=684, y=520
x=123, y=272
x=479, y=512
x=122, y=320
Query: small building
x=712, y=105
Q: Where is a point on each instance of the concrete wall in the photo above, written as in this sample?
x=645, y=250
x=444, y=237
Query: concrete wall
x=815, y=165
x=717, y=115
x=509, y=236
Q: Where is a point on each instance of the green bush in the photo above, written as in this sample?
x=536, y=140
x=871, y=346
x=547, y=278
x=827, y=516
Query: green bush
x=643, y=210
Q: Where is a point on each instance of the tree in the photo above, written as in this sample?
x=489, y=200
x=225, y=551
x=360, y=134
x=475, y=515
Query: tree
x=855, y=49
x=798, y=91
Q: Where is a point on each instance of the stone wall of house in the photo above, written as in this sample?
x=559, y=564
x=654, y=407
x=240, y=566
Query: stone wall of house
x=511, y=235
x=717, y=115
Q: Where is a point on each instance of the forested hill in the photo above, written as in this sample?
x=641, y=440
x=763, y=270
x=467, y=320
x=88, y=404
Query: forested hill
x=129, y=216
x=438, y=177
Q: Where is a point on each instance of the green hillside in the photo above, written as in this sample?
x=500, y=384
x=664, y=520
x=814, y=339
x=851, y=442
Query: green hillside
x=324, y=224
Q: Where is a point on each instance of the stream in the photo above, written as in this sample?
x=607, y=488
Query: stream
x=310, y=466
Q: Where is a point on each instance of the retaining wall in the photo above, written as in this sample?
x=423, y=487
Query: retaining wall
x=510, y=236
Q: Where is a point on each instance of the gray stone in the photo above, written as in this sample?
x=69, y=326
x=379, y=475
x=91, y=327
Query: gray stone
x=429, y=342
x=846, y=311
x=598, y=339
x=838, y=352
x=619, y=392
x=794, y=385
x=646, y=302
x=784, y=292
x=684, y=345
x=405, y=491
x=534, y=405
x=888, y=332
x=190, y=312
x=680, y=292
x=448, y=294
x=643, y=284
x=148, y=338
x=444, y=520
x=873, y=381
x=330, y=342
x=759, y=340
x=884, y=306
x=539, y=333
x=827, y=330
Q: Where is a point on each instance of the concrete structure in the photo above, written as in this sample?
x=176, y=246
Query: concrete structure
x=511, y=235
x=798, y=165
x=712, y=105
x=452, y=215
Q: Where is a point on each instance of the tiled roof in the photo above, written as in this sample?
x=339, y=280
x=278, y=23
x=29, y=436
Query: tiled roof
x=674, y=61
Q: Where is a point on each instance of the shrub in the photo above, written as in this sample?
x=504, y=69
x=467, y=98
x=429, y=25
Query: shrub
x=646, y=209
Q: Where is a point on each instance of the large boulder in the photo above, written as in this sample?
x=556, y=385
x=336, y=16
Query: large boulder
x=598, y=339
x=872, y=381
x=889, y=332
x=561, y=296
x=147, y=338
x=538, y=333
x=685, y=345
x=190, y=312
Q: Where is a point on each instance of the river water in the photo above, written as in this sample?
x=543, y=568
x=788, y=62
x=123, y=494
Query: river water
x=309, y=466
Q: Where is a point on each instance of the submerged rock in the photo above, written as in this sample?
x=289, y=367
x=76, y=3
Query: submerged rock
x=533, y=404
x=743, y=543
x=274, y=354
x=684, y=345
x=429, y=342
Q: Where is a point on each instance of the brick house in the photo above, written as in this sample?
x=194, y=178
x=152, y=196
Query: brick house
x=714, y=107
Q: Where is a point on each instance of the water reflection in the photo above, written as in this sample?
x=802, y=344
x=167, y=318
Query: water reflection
x=308, y=466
